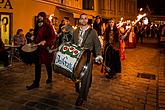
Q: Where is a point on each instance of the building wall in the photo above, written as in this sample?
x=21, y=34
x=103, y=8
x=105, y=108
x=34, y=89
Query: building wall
x=25, y=11
x=119, y=8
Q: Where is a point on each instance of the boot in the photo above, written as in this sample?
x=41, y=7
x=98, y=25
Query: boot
x=32, y=86
x=77, y=87
x=79, y=101
x=48, y=81
x=109, y=76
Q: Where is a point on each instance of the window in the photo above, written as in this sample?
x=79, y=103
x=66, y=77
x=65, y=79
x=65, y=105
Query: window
x=62, y=1
x=88, y=4
x=120, y=5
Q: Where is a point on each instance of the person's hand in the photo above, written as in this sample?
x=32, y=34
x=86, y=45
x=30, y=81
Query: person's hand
x=42, y=42
x=99, y=59
x=32, y=38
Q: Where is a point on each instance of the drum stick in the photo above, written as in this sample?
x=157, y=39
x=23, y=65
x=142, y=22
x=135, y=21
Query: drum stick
x=52, y=50
x=108, y=69
x=35, y=45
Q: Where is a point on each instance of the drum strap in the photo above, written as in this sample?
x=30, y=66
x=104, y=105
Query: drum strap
x=82, y=45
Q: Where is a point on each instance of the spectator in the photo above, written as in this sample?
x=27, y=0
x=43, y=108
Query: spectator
x=19, y=39
x=30, y=36
x=3, y=54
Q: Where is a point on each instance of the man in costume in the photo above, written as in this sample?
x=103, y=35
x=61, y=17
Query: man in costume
x=85, y=36
x=44, y=37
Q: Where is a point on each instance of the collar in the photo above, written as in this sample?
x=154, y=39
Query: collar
x=85, y=29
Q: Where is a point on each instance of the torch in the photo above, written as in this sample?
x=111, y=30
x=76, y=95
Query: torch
x=139, y=17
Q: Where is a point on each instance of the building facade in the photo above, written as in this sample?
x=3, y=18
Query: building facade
x=119, y=8
x=15, y=14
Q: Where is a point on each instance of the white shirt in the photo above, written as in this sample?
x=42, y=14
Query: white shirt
x=81, y=34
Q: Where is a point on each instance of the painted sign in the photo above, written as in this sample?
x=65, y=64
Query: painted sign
x=68, y=56
x=65, y=61
x=5, y=27
x=6, y=4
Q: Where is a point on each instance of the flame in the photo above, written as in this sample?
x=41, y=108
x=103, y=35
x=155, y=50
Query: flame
x=51, y=17
x=121, y=19
x=140, y=16
x=121, y=22
x=74, y=27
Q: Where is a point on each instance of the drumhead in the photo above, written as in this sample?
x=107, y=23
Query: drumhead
x=29, y=48
x=70, y=60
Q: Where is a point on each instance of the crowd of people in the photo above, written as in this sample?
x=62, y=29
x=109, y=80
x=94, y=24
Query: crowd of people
x=103, y=41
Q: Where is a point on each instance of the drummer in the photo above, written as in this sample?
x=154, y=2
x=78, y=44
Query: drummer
x=3, y=54
x=45, y=37
x=85, y=36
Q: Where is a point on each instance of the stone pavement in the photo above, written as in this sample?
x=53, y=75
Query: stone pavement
x=125, y=92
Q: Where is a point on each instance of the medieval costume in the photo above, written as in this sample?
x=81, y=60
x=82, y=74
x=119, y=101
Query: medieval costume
x=86, y=37
x=111, y=51
x=130, y=41
x=45, y=37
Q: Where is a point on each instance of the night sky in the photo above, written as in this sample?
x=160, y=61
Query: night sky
x=156, y=6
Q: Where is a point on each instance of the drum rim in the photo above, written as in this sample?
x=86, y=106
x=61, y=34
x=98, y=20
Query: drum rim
x=26, y=45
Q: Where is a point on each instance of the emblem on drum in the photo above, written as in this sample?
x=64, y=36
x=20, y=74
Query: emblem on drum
x=67, y=56
x=65, y=61
x=72, y=51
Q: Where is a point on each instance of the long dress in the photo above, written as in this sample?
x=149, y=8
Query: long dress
x=131, y=40
x=111, y=51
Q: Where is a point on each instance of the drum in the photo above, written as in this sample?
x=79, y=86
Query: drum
x=70, y=60
x=29, y=53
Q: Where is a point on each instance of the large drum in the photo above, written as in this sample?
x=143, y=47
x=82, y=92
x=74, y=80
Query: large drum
x=70, y=60
x=28, y=53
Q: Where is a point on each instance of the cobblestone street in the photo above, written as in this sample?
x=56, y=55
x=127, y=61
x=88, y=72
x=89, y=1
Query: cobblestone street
x=125, y=92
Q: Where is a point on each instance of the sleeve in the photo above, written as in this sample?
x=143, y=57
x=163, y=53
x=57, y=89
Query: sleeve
x=97, y=44
x=15, y=40
x=49, y=36
x=74, y=37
